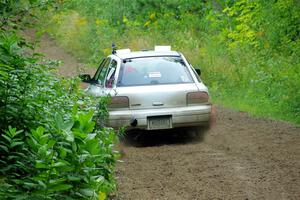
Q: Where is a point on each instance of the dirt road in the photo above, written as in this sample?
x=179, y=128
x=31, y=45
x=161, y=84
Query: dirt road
x=242, y=157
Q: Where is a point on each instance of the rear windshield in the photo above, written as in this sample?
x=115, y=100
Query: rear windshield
x=153, y=70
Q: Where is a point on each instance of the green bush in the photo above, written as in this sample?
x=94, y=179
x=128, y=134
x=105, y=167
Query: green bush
x=50, y=144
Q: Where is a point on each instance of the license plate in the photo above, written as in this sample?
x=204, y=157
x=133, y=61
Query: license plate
x=161, y=122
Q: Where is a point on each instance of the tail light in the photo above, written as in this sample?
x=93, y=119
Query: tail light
x=119, y=102
x=197, y=97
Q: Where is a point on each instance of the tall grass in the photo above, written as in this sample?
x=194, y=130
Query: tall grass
x=248, y=51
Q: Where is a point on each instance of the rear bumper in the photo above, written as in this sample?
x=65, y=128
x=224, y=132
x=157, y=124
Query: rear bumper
x=180, y=117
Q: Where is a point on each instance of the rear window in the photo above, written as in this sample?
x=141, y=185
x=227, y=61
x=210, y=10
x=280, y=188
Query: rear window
x=153, y=71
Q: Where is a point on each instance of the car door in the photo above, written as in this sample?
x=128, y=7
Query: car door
x=110, y=78
x=97, y=86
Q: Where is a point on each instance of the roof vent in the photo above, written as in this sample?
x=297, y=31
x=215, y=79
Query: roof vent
x=123, y=51
x=162, y=48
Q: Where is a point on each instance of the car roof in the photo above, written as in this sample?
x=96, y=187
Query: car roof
x=138, y=54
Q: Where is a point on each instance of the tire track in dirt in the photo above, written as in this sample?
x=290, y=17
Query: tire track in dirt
x=70, y=66
x=242, y=157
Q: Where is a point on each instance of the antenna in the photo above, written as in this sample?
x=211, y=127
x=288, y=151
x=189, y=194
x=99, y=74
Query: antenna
x=114, y=48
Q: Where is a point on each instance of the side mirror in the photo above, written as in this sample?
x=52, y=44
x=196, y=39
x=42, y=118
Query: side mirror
x=198, y=71
x=85, y=78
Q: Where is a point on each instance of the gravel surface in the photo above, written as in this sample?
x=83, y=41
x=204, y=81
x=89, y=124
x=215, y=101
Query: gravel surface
x=240, y=157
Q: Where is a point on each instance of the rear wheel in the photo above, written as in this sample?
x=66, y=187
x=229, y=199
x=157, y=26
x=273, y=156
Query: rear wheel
x=198, y=132
x=201, y=131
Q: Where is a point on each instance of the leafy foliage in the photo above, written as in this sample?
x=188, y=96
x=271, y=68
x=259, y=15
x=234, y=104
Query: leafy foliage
x=50, y=144
x=12, y=13
x=248, y=50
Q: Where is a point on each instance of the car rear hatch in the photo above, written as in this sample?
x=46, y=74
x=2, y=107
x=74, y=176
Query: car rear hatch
x=157, y=96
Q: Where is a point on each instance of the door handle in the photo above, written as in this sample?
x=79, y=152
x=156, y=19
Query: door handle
x=157, y=103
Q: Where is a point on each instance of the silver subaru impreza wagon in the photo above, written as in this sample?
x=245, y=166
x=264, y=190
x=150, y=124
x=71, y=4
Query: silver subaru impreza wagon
x=151, y=90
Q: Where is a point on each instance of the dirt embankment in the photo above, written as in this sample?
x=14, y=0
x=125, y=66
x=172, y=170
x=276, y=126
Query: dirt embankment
x=241, y=157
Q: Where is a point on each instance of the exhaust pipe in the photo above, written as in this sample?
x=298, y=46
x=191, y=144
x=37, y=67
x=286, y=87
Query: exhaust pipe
x=133, y=122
